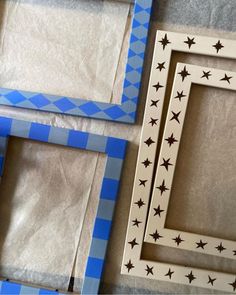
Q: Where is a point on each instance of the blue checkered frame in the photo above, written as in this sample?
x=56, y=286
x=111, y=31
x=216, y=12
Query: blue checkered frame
x=115, y=149
x=124, y=112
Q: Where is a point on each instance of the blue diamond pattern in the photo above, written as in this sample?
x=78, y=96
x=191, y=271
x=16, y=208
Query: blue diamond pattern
x=115, y=112
x=15, y=97
x=90, y=108
x=39, y=100
x=64, y=104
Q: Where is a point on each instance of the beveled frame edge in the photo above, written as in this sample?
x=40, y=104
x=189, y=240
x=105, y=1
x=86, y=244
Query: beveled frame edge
x=124, y=112
x=115, y=150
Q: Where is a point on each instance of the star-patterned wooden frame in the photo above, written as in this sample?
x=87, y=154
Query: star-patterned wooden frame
x=156, y=233
x=115, y=149
x=133, y=264
x=125, y=111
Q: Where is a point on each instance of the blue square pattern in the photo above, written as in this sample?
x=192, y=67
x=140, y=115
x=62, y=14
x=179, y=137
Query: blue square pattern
x=102, y=229
x=115, y=149
x=94, y=109
x=39, y=132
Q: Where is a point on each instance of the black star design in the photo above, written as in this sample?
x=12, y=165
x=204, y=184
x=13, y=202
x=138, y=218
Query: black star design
x=178, y=240
x=184, y=73
x=233, y=285
x=142, y=182
x=154, y=103
x=156, y=236
x=180, y=95
x=149, y=141
x=171, y=140
x=211, y=281
x=161, y=66
x=149, y=270
x=226, y=78
x=153, y=121
x=201, y=244
x=162, y=187
x=234, y=252
x=136, y=222
x=133, y=243
x=190, y=42
x=157, y=86
x=166, y=163
x=218, y=46
x=206, y=75
x=158, y=211
x=164, y=41
x=146, y=163
x=129, y=265
x=220, y=248
x=169, y=274
x=191, y=277
x=140, y=203
x=175, y=116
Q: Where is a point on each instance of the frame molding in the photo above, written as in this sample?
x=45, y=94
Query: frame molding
x=115, y=150
x=165, y=171
x=132, y=263
x=124, y=112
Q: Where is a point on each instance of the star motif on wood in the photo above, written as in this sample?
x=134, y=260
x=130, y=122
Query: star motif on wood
x=171, y=140
x=175, y=116
x=166, y=163
x=153, y=121
x=190, y=42
x=201, y=244
x=154, y=103
x=191, y=277
x=218, y=46
x=162, y=187
x=211, y=281
x=140, y=203
x=220, y=248
x=157, y=86
x=142, y=182
x=133, y=243
x=184, y=73
x=206, y=75
x=169, y=274
x=129, y=265
x=161, y=66
x=158, y=211
x=178, y=240
x=156, y=236
x=149, y=141
x=136, y=222
x=226, y=78
x=164, y=41
x=233, y=284
x=180, y=95
x=149, y=270
x=234, y=252
x=147, y=163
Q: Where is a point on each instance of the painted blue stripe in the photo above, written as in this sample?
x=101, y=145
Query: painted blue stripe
x=39, y=132
x=10, y=288
x=94, y=268
x=102, y=228
x=116, y=147
x=109, y=189
x=78, y=139
x=5, y=126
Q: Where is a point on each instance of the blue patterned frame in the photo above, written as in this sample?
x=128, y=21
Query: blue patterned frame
x=124, y=112
x=115, y=149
